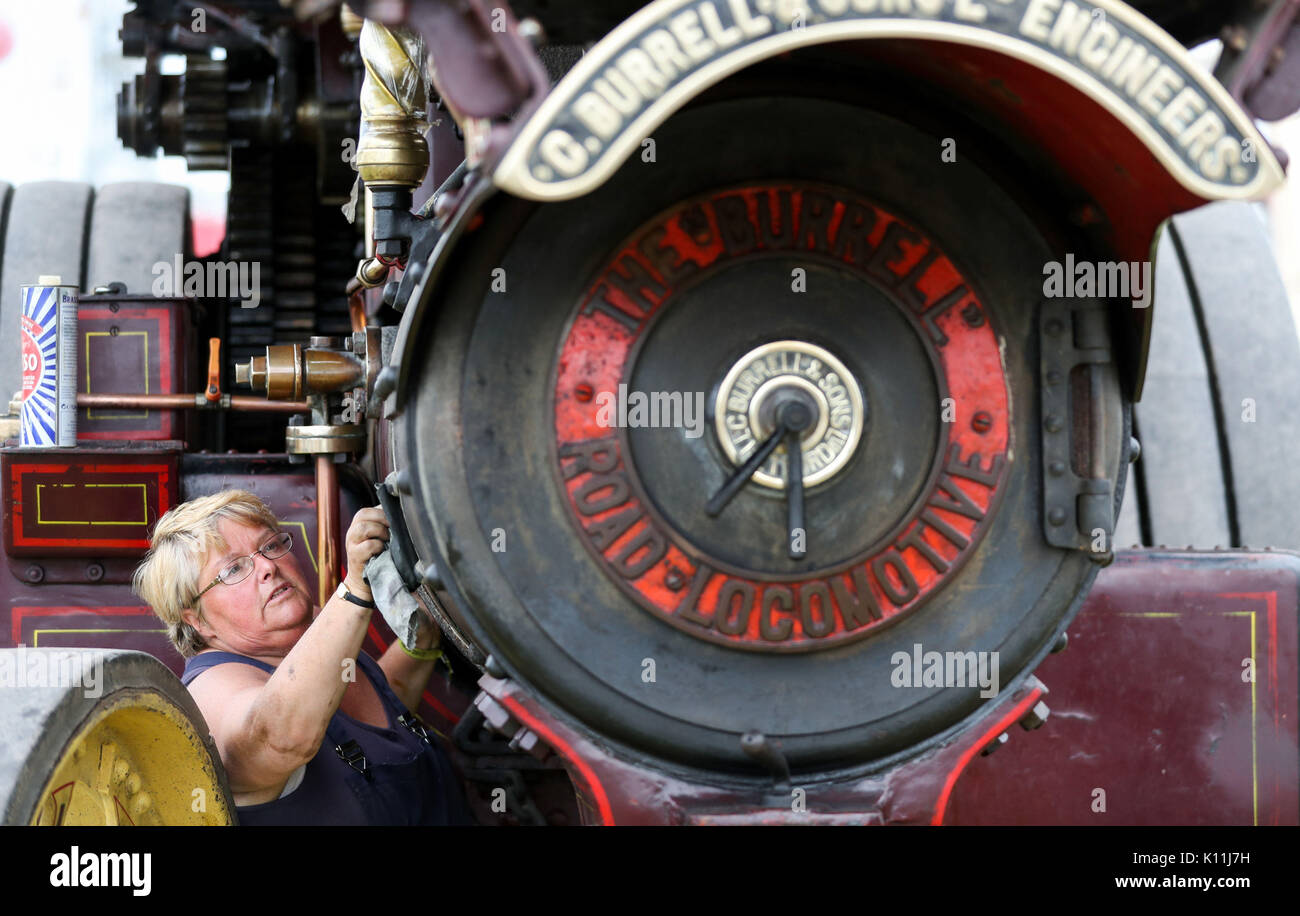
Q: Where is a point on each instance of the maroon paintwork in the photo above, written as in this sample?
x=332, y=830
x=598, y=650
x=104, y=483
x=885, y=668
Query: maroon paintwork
x=1149, y=703
x=621, y=790
x=1153, y=705
x=134, y=345
x=85, y=501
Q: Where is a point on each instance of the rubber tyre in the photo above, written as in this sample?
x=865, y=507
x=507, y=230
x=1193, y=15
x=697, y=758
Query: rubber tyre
x=42, y=725
x=135, y=225
x=1218, y=420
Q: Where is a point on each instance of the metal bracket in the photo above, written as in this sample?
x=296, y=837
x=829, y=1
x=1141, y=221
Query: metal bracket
x=1078, y=495
x=499, y=720
x=1260, y=64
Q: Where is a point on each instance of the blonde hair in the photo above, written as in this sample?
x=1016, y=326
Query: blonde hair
x=167, y=578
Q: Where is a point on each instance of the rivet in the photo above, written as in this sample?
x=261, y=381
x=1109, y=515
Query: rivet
x=1056, y=468
x=1056, y=516
x=1053, y=424
x=428, y=574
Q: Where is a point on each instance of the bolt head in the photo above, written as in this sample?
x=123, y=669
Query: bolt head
x=995, y=744
x=1035, y=717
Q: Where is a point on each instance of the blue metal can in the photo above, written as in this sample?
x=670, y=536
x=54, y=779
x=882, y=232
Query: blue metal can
x=49, y=354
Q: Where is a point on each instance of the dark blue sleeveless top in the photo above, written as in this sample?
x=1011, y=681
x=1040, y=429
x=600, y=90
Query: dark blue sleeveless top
x=362, y=774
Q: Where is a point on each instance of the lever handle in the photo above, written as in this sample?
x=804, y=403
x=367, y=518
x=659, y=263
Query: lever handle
x=213, y=391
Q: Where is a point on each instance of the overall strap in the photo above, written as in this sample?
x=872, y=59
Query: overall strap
x=205, y=660
x=380, y=680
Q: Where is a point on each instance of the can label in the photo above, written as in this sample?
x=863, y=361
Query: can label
x=49, y=370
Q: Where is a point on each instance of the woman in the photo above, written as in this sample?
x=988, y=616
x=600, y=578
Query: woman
x=307, y=725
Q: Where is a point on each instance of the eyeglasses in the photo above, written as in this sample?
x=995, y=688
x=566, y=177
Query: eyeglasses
x=238, y=569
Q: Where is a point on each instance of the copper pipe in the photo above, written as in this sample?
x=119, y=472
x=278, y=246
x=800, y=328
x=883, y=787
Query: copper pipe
x=186, y=401
x=248, y=402
x=357, y=307
x=327, y=525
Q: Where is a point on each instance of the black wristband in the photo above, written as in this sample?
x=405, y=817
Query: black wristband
x=361, y=602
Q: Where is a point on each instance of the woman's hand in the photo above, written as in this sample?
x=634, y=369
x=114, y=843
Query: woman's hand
x=367, y=536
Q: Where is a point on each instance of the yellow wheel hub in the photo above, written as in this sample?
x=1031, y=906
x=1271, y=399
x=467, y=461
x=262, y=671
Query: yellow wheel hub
x=136, y=760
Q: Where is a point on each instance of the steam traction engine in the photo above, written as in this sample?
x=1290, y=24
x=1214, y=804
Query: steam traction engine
x=713, y=391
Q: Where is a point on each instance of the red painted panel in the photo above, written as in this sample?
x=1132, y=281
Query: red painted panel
x=1153, y=703
x=132, y=349
x=84, y=502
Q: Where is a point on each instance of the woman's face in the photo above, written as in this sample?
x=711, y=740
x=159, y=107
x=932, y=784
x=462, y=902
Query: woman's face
x=267, y=612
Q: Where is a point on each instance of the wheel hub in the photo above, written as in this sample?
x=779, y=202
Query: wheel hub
x=923, y=284
x=767, y=379
x=897, y=341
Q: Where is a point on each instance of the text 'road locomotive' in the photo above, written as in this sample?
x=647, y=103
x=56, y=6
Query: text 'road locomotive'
x=750, y=386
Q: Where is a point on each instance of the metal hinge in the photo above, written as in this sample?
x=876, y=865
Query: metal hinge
x=1078, y=495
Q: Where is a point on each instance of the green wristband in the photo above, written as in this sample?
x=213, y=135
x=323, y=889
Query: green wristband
x=424, y=655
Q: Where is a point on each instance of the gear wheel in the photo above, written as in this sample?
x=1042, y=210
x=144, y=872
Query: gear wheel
x=204, y=126
x=250, y=237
